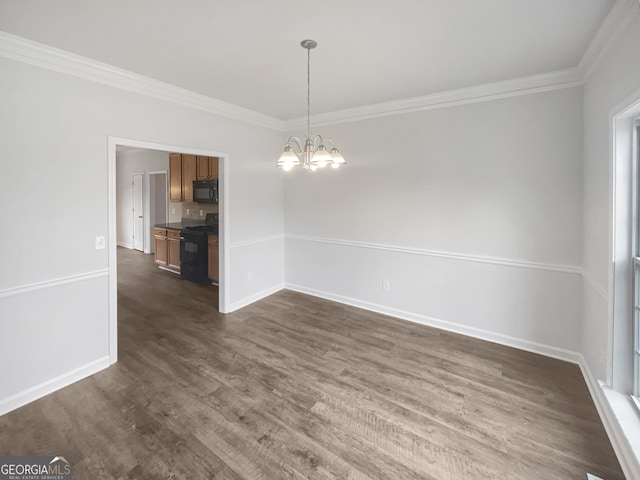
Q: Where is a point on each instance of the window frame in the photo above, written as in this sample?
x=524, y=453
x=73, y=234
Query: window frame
x=635, y=242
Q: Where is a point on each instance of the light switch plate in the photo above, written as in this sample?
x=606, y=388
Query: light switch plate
x=100, y=243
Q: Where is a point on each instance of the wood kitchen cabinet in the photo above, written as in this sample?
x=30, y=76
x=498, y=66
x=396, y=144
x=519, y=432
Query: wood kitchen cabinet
x=167, y=247
x=182, y=173
x=207, y=168
x=173, y=249
x=213, y=258
x=160, y=239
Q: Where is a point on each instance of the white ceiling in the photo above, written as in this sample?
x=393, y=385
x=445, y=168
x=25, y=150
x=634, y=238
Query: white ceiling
x=247, y=52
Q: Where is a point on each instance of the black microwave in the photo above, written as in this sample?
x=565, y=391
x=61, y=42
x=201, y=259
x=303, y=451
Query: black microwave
x=205, y=191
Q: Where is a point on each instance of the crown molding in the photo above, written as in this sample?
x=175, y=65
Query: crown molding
x=27, y=51
x=40, y=55
x=621, y=15
x=479, y=93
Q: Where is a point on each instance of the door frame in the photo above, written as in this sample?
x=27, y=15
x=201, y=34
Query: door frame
x=133, y=211
x=147, y=223
x=224, y=292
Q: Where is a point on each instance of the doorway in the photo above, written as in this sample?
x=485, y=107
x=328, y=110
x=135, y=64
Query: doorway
x=224, y=261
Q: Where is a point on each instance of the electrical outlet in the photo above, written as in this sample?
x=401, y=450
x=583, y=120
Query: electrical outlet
x=386, y=285
x=100, y=243
x=188, y=211
x=201, y=213
x=173, y=211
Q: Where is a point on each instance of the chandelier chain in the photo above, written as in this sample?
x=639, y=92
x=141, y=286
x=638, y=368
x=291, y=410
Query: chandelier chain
x=308, y=92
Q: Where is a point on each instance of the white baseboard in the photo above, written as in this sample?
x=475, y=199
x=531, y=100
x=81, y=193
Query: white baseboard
x=38, y=391
x=623, y=450
x=172, y=270
x=527, y=345
x=125, y=245
x=255, y=297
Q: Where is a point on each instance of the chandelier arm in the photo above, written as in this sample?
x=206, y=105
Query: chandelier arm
x=327, y=139
x=296, y=141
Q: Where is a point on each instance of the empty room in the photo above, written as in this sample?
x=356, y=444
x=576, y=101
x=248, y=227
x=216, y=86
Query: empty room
x=343, y=239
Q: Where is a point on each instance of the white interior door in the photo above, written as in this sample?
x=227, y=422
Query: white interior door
x=138, y=213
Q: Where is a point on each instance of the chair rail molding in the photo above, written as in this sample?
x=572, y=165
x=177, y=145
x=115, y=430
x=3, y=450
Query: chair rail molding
x=570, y=269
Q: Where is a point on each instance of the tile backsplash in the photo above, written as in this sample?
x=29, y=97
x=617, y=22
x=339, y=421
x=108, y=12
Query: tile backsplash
x=175, y=211
x=198, y=211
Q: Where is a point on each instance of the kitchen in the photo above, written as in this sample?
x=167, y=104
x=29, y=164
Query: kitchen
x=174, y=216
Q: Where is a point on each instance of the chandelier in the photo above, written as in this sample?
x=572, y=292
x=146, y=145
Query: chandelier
x=313, y=154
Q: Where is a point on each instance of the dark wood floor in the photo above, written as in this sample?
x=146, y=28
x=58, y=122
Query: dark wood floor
x=298, y=387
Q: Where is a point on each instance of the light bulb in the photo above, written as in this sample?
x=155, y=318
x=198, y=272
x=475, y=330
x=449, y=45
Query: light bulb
x=335, y=165
x=336, y=158
x=288, y=157
x=321, y=157
x=287, y=167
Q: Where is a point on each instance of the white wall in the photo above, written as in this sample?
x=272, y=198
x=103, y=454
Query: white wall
x=128, y=162
x=54, y=132
x=616, y=77
x=472, y=212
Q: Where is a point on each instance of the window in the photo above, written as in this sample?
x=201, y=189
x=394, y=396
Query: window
x=623, y=368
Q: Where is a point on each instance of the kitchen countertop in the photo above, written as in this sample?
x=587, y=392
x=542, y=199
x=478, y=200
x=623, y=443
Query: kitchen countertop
x=181, y=225
x=170, y=226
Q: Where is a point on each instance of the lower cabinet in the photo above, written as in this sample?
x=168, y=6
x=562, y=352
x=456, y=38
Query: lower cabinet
x=167, y=247
x=160, y=239
x=213, y=258
x=173, y=249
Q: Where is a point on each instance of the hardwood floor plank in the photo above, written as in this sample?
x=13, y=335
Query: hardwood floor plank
x=296, y=387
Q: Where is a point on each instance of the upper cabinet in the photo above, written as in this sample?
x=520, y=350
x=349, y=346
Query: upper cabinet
x=207, y=168
x=182, y=173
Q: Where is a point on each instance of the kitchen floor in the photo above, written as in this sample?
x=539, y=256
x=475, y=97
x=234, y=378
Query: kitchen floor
x=296, y=387
x=135, y=267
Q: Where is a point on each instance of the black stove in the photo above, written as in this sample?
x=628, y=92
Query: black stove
x=201, y=229
x=194, y=247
